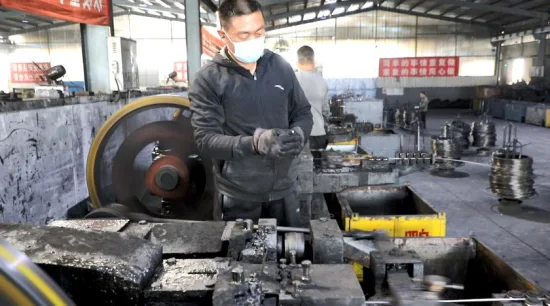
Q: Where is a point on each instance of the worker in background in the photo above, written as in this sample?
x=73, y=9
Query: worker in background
x=316, y=90
x=252, y=118
x=423, y=108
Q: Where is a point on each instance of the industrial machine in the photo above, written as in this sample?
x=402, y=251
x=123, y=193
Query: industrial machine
x=124, y=74
x=118, y=262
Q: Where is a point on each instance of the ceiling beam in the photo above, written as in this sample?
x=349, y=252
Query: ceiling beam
x=496, y=17
x=331, y=7
x=320, y=19
x=438, y=17
x=209, y=6
x=157, y=8
x=42, y=28
x=433, y=7
x=520, y=34
x=495, y=8
x=398, y=3
x=417, y=4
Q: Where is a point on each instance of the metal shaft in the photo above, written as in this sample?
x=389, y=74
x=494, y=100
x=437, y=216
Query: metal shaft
x=458, y=301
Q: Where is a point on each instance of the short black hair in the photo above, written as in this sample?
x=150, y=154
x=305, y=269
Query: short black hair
x=235, y=8
x=306, y=55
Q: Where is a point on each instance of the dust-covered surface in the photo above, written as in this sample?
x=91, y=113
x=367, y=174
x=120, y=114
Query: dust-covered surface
x=189, y=238
x=185, y=280
x=471, y=209
x=107, y=225
x=102, y=262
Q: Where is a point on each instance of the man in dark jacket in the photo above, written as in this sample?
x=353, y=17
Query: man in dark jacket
x=252, y=118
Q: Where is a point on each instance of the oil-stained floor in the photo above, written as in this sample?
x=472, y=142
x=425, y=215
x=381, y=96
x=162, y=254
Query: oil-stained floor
x=472, y=210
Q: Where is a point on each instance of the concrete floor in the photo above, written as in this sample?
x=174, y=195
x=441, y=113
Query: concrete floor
x=472, y=210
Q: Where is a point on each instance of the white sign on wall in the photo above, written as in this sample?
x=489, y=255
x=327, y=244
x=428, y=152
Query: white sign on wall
x=393, y=91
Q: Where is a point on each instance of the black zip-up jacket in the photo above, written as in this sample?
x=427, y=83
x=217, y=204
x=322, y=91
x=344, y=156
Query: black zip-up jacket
x=229, y=104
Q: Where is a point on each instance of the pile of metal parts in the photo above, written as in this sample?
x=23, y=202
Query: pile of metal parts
x=511, y=176
x=118, y=262
x=461, y=133
x=484, y=134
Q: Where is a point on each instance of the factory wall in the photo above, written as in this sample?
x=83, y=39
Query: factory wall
x=351, y=46
x=60, y=46
x=160, y=43
x=518, y=57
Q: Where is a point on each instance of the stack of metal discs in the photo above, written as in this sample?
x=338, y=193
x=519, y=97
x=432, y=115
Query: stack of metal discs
x=484, y=133
x=461, y=133
x=511, y=176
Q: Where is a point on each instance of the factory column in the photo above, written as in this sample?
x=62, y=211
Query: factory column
x=540, y=61
x=193, y=37
x=95, y=57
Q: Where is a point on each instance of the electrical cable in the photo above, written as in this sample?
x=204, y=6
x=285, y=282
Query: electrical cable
x=511, y=176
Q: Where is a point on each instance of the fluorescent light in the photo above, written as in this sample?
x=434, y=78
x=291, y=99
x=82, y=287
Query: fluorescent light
x=151, y=12
x=295, y=18
x=168, y=15
x=135, y=9
x=163, y=4
x=323, y=13
x=367, y=5
x=202, y=10
x=353, y=7
x=131, y=1
x=181, y=16
x=146, y=2
x=338, y=10
x=179, y=5
x=24, y=21
x=309, y=16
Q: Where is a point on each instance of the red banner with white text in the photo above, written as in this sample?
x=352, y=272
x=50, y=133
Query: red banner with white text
x=78, y=11
x=29, y=73
x=419, y=67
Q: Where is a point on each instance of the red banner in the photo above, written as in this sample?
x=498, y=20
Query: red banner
x=79, y=11
x=419, y=67
x=181, y=69
x=30, y=73
x=210, y=44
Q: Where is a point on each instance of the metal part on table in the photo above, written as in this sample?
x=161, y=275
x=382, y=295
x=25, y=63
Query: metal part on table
x=106, y=225
x=326, y=241
x=293, y=247
x=185, y=281
x=325, y=285
x=263, y=244
x=189, y=238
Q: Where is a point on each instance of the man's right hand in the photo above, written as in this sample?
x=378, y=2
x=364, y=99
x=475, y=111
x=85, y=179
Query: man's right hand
x=276, y=143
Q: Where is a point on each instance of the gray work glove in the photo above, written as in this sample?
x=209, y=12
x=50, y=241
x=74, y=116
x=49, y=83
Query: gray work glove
x=276, y=143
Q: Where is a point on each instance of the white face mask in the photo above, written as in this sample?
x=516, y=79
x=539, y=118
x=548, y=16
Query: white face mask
x=248, y=51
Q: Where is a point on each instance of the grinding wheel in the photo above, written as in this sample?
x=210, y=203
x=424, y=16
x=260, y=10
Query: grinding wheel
x=145, y=181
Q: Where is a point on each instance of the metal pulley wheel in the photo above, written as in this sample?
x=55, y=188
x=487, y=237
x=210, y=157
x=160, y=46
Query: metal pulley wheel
x=22, y=283
x=144, y=158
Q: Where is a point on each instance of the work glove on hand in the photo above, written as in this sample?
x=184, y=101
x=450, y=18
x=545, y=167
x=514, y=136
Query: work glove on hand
x=277, y=143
